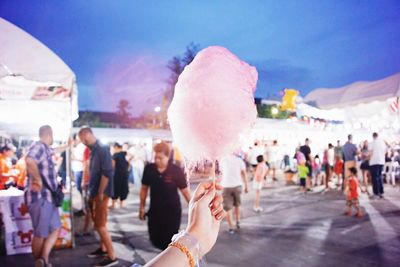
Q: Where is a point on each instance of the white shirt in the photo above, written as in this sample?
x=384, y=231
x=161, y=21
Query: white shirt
x=378, y=150
x=131, y=153
x=141, y=153
x=331, y=156
x=232, y=168
x=77, y=154
x=254, y=153
x=273, y=153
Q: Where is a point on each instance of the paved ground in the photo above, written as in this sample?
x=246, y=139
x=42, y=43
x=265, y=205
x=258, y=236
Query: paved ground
x=293, y=230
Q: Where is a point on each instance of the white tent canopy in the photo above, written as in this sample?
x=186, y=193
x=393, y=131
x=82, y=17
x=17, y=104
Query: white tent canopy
x=22, y=54
x=360, y=104
x=355, y=93
x=36, y=86
x=331, y=114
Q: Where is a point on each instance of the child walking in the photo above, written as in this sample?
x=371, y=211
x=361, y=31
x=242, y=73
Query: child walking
x=259, y=174
x=352, y=194
x=303, y=171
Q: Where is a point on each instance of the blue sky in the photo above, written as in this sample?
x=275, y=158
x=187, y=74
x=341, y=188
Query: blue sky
x=119, y=49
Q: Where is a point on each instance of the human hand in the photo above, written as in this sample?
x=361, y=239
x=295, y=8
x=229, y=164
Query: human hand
x=205, y=215
x=246, y=189
x=70, y=142
x=142, y=214
x=36, y=186
x=85, y=186
x=100, y=196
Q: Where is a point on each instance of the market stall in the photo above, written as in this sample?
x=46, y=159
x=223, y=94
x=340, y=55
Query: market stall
x=36, y=88
x=373, y=105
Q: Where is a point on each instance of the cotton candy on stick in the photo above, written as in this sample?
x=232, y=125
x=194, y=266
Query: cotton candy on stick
x=212, y=105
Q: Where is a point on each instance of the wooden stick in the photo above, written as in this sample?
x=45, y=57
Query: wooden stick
x=214, y=173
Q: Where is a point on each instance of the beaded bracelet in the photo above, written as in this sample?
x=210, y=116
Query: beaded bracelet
x=190, y=242
x=184, y=250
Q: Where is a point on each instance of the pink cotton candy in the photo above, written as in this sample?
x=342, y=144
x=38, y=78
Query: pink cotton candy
x=213, y=104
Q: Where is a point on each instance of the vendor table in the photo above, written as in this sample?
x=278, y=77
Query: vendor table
x=18, y=225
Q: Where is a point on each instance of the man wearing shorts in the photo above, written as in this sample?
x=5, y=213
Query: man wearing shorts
x=233, y=178
x=100, y=190
x=350, y=152
x=44, y=214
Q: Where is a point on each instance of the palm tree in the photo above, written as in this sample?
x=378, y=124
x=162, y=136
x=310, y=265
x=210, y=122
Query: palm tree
x=123, y=112
x=177, y=64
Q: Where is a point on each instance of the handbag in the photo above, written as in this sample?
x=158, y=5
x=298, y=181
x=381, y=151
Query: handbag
x=56, y=195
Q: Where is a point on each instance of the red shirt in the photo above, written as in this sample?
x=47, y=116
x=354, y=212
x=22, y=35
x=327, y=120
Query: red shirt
x=86, y=157
x=338, y=167
x=353, y=186
x=86, y=154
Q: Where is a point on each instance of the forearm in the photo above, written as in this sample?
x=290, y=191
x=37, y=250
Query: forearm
x=172, y=256
x=33, y=171
x=6, y=175
x=61, y=149
x=103, y=184
x=186, y=194
x=143, y=196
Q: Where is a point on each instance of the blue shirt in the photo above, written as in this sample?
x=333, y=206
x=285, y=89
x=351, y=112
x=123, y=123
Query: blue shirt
x=42, y=155
x=100, y=165
x=349, y=151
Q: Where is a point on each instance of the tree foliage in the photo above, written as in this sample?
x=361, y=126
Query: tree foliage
x=90, y=119
x=122, y=110
x=265, y=111
x=176, y=66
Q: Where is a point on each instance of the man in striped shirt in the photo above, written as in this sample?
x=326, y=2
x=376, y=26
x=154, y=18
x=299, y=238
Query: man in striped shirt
x=44, y=214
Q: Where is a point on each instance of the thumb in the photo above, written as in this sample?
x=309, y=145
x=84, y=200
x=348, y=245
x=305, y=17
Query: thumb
x=201, y=190
x=208, y=196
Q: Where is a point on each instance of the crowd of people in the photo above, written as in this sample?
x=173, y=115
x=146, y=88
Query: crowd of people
x=101, y=176
x=330, y=167
x=12, y=168
x=351, y=167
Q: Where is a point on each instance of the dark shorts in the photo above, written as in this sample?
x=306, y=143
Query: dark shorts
x=99, y=211
x=231, y=196
x=303, y=182
x=310, y=169
x=364, y=165
x=45, y=217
